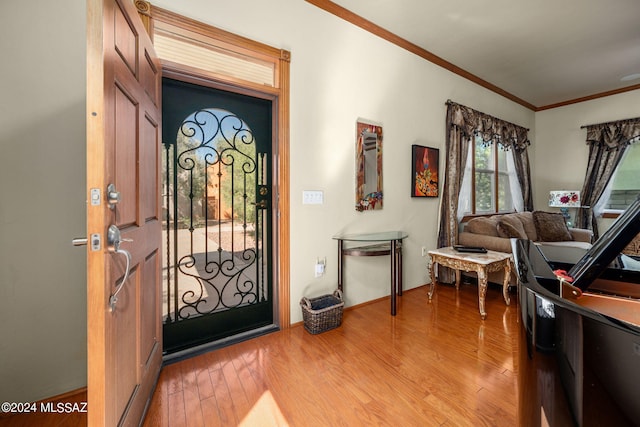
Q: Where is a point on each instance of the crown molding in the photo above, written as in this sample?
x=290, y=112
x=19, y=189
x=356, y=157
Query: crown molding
x=357, y=20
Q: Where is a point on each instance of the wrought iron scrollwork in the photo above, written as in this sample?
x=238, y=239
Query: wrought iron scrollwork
x=217, y=172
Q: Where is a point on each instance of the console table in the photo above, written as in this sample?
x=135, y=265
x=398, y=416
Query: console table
x=375, y=244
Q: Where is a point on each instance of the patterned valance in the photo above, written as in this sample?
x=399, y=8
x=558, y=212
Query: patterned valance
x=612, y=135
x=472, y=122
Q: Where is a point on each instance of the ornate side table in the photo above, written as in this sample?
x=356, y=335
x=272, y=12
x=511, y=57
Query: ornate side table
x=481, y=263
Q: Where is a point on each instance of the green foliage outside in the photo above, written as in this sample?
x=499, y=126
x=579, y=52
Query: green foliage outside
x=485, y=175
x=484, y=178
x=628, y=172
x=238, y=187
x=237, y=165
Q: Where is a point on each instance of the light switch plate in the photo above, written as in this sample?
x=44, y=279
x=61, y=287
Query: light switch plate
x=312, y=197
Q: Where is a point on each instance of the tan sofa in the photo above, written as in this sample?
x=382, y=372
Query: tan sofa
x=495, y=233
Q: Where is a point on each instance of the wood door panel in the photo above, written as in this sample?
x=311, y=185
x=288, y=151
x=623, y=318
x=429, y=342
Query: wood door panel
x=125, y=329
x=149, y=179
x=126, y=157
x=141, y=246
x=125, y=40
x=148, y=308
x=149, y=72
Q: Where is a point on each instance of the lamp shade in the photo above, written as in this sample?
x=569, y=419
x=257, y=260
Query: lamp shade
x=564, y=199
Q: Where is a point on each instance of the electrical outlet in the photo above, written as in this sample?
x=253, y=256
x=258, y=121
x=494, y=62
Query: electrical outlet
x=424, y=251
x=320, y=264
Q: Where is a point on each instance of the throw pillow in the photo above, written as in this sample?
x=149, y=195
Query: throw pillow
x=529, y=226
x=551, y=227
x=505, y=229
x=482, y=225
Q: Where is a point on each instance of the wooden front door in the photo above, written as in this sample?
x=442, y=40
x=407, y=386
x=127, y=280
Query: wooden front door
x=123, y=214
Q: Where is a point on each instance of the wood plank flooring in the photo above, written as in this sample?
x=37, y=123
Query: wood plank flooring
x=434, y=364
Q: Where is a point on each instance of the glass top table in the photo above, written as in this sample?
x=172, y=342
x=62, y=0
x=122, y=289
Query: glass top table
x=380, y=243
x=384, y=236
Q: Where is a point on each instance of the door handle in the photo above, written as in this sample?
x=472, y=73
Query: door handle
x=83, y=241
x=80, y=241
x=114, y=240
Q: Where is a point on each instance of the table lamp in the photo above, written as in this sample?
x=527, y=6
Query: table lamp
x=564, y=199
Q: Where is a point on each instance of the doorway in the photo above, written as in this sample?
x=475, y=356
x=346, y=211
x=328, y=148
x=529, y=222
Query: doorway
x=217, y=179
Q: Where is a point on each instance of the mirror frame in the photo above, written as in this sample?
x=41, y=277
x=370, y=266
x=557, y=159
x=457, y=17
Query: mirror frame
x=372, y=200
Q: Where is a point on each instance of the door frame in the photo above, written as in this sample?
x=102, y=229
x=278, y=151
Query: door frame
x=279, y=94
x=192, y=328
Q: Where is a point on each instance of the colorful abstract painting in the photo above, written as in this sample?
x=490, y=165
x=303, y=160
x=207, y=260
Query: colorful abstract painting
x=424, y=176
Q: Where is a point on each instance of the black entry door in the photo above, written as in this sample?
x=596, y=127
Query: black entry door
x=218, y=208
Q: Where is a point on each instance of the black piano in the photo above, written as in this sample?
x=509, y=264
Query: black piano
x=579, y=340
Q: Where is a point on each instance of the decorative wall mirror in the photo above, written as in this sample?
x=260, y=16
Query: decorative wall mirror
x=368, y=166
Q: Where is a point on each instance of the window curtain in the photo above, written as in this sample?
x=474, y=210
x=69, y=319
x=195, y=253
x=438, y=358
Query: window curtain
x=463, y=124
x=607, y=144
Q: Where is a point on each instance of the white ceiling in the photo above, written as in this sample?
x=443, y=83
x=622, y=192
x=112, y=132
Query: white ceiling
x=541, y=51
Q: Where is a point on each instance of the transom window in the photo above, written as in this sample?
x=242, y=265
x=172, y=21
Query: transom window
x=490, y=184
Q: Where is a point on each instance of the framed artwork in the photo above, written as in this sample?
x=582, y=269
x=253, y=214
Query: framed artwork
x=424, y=171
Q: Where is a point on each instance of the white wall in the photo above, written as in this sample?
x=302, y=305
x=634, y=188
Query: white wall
x=338, y=74
x=561, y=151
x=42, y=204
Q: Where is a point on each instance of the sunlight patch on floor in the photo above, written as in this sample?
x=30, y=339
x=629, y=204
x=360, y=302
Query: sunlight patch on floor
x=265, y=412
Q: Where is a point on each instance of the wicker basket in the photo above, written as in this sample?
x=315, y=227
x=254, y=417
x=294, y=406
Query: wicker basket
x=322, y=313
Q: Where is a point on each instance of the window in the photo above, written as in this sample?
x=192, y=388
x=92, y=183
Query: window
x=490, y=184
x=624, y=186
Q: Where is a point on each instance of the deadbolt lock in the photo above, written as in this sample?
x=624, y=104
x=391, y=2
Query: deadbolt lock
x=113, y=196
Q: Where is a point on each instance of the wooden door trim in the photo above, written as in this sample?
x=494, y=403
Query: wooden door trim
x=279, y=93
x=283, y=274
x=97, y=297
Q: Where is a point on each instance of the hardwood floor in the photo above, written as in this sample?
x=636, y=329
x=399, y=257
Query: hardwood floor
x=434, y=364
